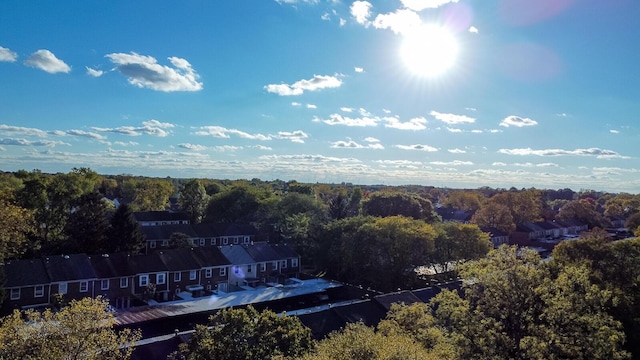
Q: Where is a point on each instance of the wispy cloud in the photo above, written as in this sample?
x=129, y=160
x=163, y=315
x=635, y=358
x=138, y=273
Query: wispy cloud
x=457, y=151
x=86, y=134
x=297, y=136
x=350, y=144
x=452, y=119
x=24, y=131
x=337, y=119
x=419, y=123
x=45, y=60
x=151, y=127
x=222, y=132
x=451, y=163
x=7, y=55
x=145, y=72
x=614, y=131
x=417, y=147
x=318, y=82
x=598, y=153
x=358, y=69
x=193, y=147
x=517, y=121
x=25, y=142
x=94, y=72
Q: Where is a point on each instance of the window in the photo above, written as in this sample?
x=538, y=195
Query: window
x=161, y=278
x=165, y=242
x=235, y=239
x=263, y=266
x=208, y=272
x=15, y=294
x=249, y=268
x=225, y=241
x=176, y=276
x=124, y=282
x=144, y=280
x=294, y=262
x=223, y=271
x=152, y=244
x=213, y=241
x=38, y=291
x=104, y=284
x=275, y=265
x=284, y=264
x=193, y=274
x=62, y=288
x=84, y=286
x=202, y=242
x=247, y=239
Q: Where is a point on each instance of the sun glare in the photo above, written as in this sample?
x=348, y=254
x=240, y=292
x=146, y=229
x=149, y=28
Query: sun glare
x=429, y=50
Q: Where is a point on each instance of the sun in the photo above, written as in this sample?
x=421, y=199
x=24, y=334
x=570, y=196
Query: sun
x=429, y=50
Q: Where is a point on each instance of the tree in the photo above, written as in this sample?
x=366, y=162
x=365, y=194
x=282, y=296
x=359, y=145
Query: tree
x=457, y=243
x=87, y=226
x=237, y=204
x=525, y=206
x=515, y=307
x=147, y=194
x=82, y=330
x=236, y=334
x=16, y=224
x=179, y=240
x=124, y=233
x=464, y=200
x=585, y=211
x=633, y=222
x=494, y=215
x=193, y=200
x=359, y=342
x=385, y=204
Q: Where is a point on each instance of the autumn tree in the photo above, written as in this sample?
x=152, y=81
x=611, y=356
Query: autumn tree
x=147, y=194
x=524, y=206
x=457, y=243
x=193, y=200
x=81, y=330
x=585, y=211
x=16, y=224
x=464, y=200
x=494, y=215
x=236, y=334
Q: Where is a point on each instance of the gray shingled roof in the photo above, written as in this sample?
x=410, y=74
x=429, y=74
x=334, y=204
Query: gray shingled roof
x=69, y=267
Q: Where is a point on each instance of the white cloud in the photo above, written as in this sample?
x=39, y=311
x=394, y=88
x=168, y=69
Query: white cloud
x=457, y=151
x=358, y=69
x=45, y=60
x=297, y=136
x=222, y=132
x=343, y=22
x=413, y=124
x=151, y=127
x=614, y=131
x=326, y=16
x=419, y=5
x=312, y=106
x=223, y=148
x=262, y=147
x=400, y=22
x=337, y=119
x=473, y=30
x=451, y=163
x=193, y=147
x=94, y=72
x=127, y=143
x=145, y=72
x=346, y=109
x=418, y=147
x=598, y=153
x=371, y=140
x=517, y=121
x=86, y=134
x=25, y=142
x=454, y=130
x=7, y=55
x=346, y=145
x=318, y=82
x=452, y=118
x=498, y=163
x=294, y=103
x=361, y=10
x=24, y=131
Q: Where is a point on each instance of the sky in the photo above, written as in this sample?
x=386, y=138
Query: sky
x=447, y=93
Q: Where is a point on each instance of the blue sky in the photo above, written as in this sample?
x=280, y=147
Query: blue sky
x=464, y=93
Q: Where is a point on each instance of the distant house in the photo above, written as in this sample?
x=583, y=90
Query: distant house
x=267, y=259
x=205, y=234
x=290, y=263
x=115, y=278
x=497, y=237
x=244, y=271
x=160, y=218
x=71, y=276
x=160, y=236
x=26, y=284
x=454, y=215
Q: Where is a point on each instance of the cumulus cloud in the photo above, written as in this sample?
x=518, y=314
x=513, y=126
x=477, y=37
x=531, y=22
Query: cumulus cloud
x=318, y=82
x=45, y=60
x=151, y=127
x=419, y=5
x=94, y=72
x=297, y=136
x=452, y=119
x=86, y=134
x=346, y=145
x=24, y=131
x=457, y=151
x=222, y=132
x=417, y=147
x=517, y=121
x=7, y=55
x=312, y=106
x=145, y=72
x=358, y=69
x=473, y=30
x=419, y=123
x=361, y=10
x=598, y=153
x=400, y=22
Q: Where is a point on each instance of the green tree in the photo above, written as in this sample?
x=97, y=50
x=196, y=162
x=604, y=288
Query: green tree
x=124, y=233
x=236, y=334
x=384, y=204
x=237, y=204
x=87, y=226
x=584, y=211
x=147, y=194
x=633, y=222
x=457, y=243
x=494, y=215
x=359, y=342
x=16, y=224
x=82, y=330
x=193, y=200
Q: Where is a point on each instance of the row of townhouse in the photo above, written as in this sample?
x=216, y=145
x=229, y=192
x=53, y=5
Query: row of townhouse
x=161, y=218
x=204, y=234
x=527, y=233
x=127, y=279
